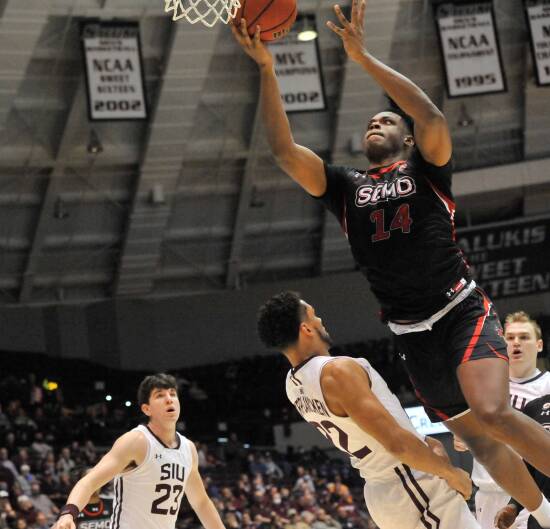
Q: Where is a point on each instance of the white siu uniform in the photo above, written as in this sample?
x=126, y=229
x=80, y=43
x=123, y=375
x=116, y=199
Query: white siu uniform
x=149, y=495
x=397, y=497
x=490, y=498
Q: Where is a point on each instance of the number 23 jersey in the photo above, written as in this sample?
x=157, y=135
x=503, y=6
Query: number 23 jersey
x=303, y=388
x=399, y=221
x=149, y=495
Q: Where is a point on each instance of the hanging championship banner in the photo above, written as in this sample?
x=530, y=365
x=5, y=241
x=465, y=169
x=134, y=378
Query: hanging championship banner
x=470, y=49
x=538, y=17
x=114, y=71
x=298, y=71
x=509, y=258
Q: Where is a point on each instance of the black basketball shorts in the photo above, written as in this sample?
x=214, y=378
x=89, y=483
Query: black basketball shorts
x=470, y=331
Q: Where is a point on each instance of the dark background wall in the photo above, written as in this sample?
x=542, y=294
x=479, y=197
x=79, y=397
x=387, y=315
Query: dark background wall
x=200, y=329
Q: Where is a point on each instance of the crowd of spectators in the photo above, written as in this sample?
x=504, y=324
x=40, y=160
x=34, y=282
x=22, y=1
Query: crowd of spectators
x=251, y=488
x=267, y=490
x=52, y=423
x=48, y=438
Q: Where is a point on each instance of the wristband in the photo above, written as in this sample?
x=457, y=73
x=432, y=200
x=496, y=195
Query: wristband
x=71, y=509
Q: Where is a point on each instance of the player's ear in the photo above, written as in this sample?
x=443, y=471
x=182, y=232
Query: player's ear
x=145, y=408
x=540, y=346
x=409, y=140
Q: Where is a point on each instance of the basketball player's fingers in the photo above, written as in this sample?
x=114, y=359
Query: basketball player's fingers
x=354, y=11
x=236, y=33
x=244, y=32
x=335, y=28
x=257, y=35
x=343, y=20
x=362, y=7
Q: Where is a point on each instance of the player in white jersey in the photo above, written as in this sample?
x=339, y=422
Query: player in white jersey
x=350, y=404
x=524, y=340
x=153, y=467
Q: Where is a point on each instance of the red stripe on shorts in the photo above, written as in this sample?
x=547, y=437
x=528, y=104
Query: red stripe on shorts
x=477, y=332
x=497, y=353
x=439, y=413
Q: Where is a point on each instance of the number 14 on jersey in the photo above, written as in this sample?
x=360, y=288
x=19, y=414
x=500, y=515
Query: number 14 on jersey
x=401, y=221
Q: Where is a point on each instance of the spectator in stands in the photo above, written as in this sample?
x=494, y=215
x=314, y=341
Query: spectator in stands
x=27, y=474
x=272, y=470
x=49, y=465
x=65, y=463
x=26, y=509
x=196, y=392
x=39, y=447
x=304, y=480
x=296, y=521
x=7, y=512
x=5, y=423
x=43, y=503
x=21, y=523
x=7, y=463
x=48, y=484
x=65, y=486
x=41, y=522
x=325, y=521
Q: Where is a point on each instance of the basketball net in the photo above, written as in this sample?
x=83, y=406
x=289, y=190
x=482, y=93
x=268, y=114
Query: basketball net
x=206, y=11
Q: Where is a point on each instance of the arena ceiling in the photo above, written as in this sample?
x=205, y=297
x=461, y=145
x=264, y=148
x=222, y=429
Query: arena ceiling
x=78, y=226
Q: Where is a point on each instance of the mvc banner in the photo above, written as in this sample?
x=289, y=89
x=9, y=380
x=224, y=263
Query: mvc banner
x=114, y=72
x=538, y=18
x=509, y=258
x=470, y=48
x=298, y=71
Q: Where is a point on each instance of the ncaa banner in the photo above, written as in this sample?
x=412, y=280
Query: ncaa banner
x=298, y=71
x=114, y=71
x=470, y=49
x=538, y=18
x=509, y=258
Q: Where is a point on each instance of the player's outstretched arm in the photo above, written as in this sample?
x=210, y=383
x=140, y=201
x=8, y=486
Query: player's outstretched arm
x=346, y=389
x=299, y=162
x=129, y=448
x=431, y=131
x=198, y=498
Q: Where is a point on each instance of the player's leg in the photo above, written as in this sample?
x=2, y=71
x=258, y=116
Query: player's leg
x=504, y=465
x=475, y=338
x=484, y=383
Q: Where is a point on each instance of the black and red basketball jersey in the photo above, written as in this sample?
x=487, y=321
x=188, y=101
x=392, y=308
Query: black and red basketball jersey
x=399, y=221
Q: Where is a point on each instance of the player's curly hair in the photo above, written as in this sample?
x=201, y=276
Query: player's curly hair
x=279, y=320
x=151, y=382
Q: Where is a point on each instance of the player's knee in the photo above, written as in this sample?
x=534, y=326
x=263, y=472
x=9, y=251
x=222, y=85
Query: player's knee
x=495, y=418
x=481, y=447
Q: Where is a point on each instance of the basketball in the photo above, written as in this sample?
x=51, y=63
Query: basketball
x=275, y=17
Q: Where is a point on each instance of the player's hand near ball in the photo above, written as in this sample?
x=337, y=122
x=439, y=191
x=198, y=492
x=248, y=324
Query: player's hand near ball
x=252, y=46
x=506, y=517
x=352, y=32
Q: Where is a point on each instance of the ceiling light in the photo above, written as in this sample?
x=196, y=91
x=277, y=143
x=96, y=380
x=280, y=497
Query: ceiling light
x=308, y=31
x=94, y=143
x=464, y=117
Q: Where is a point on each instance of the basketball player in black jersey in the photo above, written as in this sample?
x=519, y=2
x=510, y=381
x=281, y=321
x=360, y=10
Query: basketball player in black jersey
x=398, y=217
